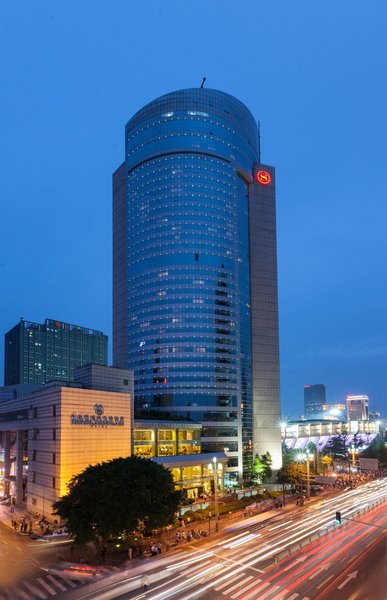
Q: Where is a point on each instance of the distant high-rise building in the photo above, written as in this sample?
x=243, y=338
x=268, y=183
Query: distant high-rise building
x=314, y=399
x=40, y=352
x=195, y=310
x=357, y=408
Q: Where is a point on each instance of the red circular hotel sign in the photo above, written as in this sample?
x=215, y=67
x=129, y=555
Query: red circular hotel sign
x=263, y=177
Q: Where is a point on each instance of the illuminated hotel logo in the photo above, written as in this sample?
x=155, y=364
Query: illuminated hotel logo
x=97, y=420
x=263, y=177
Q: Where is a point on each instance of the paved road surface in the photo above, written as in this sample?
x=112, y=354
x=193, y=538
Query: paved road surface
x=242, y=566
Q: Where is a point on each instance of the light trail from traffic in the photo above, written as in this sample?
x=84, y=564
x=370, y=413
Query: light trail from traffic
x=236, y=568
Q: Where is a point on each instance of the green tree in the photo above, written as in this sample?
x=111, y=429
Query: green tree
x=357, y=441
x=377, y=449
x=337, y=447
x=261, y=468
x=326, y=463
x=289, y=455
x=292, y=473
x=113, y=497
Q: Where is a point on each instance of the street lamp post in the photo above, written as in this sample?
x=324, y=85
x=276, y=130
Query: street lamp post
x=353, y=456
x=307, y=455
x=215, y=468
x=353, y=452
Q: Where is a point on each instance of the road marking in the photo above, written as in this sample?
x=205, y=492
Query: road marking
x=217, y=589
x=247, y=587
x=67, y=580
x=21, y=594
x=238, y=585
x=280, y=525
x=247, y=538
x=57, y=583
x=352, y=575
x=233, y=562
x=190, y=561
x=319, y=570
x=214, y=574
x=253, y=595
x=294, y=562
x=46, y=586
x=34, y=589
x=266, y=594
x=203, y=573
x=197, y=568
x=324, y=582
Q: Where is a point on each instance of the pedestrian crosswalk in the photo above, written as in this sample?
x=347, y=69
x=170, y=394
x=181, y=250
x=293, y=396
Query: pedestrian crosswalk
x=41, y=588
x=249, y=587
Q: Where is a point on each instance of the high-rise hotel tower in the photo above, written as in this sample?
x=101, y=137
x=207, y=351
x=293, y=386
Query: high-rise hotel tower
x=195, y=310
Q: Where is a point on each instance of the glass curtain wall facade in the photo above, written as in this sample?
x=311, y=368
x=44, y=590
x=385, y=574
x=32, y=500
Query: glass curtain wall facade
x=41, y=352
x=314, y=400
x=181, y=267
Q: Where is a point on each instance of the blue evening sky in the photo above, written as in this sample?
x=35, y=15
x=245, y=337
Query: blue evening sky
x=72, y=72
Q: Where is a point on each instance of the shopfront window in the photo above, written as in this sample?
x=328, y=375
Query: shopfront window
x=143, y=435
x=144, y=450
x=176, y=474
x=189, y=434
x=166, y=435
x=194, y=472
x=165, y=449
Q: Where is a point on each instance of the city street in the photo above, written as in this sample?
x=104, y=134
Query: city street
x=299, y=554
x=252, y=561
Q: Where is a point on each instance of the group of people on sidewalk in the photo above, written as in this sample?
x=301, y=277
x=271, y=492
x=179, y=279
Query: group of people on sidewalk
x=38, y=524
x=155, y=548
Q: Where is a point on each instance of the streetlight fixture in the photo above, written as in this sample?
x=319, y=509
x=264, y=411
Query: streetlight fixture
x=307, y=456
x=353, y=453
x=215, y=468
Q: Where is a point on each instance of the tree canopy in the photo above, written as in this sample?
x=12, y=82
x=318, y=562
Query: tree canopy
x=377, y=449
x=261, y=468
x=113, y=497
x=292, y=473
x=337, y=447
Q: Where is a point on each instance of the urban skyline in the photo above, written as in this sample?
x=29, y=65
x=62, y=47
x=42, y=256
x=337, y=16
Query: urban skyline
x=324, y=135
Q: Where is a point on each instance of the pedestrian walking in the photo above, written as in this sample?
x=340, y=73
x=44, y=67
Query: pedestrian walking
x=103, y=553
x=145, y=582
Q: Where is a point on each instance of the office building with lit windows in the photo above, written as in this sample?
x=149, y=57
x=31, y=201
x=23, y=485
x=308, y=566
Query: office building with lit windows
x=195, y=311
x=314, y=400
x=357, y=407
x=39, y=352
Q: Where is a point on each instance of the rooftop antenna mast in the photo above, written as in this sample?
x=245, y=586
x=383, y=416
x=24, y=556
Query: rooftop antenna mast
x=259, y=142
x=204, y=79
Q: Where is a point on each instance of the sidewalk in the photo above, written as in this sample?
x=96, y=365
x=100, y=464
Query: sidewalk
x=9, y=513
x=12, y=513
x=226, y=525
